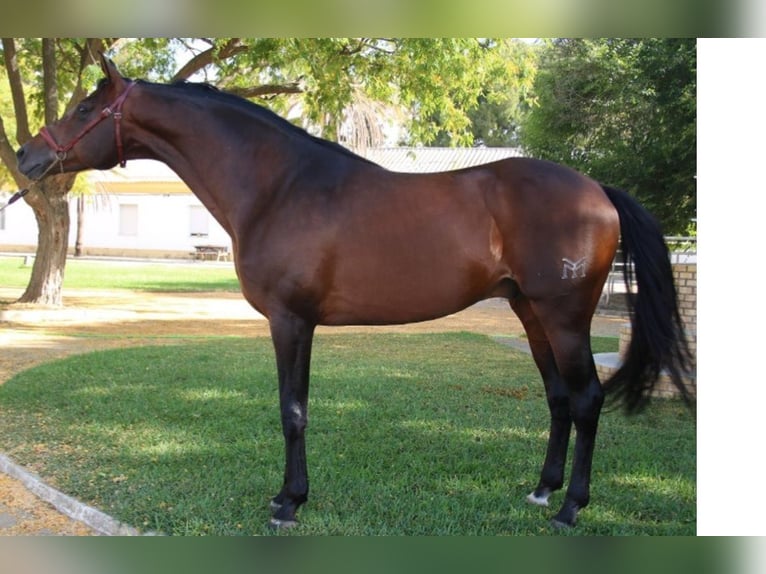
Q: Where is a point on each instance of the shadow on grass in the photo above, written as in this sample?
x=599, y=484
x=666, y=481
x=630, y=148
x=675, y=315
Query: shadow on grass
x=409, y=434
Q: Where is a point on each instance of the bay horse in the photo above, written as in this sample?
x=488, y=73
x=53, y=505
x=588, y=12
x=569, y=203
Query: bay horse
x=322, y=236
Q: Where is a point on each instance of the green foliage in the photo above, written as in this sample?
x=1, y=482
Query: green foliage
x=623, y=111
x=441, y=76
x=152, y=59
x=506, y=93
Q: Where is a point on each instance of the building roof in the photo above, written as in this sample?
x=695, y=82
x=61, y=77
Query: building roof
x=139, y=176
x=431, y=159
x=135, y=170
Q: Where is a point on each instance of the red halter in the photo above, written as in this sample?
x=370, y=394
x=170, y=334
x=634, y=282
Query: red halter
x=114, y=110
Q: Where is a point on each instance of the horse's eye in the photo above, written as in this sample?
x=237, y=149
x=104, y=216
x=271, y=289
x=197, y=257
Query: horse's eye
x=83, y=109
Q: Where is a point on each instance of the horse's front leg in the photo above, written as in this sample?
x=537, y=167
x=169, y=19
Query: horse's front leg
x=292, y=337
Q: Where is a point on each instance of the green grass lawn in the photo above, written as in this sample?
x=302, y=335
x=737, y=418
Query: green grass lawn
x=89, y=274
x=409, y=434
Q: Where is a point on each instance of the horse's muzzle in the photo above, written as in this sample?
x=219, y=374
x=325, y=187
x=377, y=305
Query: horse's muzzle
x=34, y=164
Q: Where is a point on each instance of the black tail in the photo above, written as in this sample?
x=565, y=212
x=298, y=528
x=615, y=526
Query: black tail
x=657, y=341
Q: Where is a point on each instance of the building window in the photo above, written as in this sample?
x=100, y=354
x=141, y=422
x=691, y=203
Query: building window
x=128, y=219
x=199, y=221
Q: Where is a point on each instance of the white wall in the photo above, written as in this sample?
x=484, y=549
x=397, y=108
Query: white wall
x=17, y=223
x=164, y=222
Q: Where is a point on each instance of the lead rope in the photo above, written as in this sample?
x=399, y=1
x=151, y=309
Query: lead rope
x=15, y=197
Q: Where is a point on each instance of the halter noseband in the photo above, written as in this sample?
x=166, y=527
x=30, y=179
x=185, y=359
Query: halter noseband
x=114, y=110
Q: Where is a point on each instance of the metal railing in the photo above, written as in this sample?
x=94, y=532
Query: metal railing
x=682, y=250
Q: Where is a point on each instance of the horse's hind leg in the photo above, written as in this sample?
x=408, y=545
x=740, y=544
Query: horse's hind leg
x=552, y=474
x=569, y=336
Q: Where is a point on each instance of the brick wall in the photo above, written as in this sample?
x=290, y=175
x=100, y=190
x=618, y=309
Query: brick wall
x=685, y=276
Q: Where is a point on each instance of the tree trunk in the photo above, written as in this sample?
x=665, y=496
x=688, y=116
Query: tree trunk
x=51, y=209
x=80, y=225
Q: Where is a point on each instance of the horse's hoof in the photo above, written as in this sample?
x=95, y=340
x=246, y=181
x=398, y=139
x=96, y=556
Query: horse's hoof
x=532, y=498
x=566, y=517
x=559, y=525
x=277, y=524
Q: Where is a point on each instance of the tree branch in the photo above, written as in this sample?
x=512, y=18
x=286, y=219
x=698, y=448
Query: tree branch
x=348, y=50
x=50, y=88
x=7, y=153
x=206, y=57
x=266, y=90
x=23, y=134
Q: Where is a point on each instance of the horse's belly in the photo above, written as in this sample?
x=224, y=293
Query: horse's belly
x=379, y=311
x=404, y=295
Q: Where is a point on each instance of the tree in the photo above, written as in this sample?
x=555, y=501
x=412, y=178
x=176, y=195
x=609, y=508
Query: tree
x=44, y=78
x=505, y=97
x=623, y=111
x=340, y=85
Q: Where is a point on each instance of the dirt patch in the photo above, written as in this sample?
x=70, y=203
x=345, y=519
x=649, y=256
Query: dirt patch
x=23, y=514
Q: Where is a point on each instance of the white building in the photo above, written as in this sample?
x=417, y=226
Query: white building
x=144, y=209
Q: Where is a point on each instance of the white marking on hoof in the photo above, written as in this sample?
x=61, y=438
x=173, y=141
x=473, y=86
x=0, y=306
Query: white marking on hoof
x=538, y=500
x=274, y=506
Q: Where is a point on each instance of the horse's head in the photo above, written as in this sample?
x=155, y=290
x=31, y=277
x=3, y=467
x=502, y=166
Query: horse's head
x=87, y=137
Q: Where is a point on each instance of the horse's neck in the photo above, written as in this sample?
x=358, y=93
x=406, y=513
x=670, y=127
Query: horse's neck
x=216, y=168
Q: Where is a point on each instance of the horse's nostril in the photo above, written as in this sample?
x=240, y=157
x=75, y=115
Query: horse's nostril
x=20, y=153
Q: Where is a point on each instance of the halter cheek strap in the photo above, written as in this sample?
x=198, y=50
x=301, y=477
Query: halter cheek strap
x=114, y=110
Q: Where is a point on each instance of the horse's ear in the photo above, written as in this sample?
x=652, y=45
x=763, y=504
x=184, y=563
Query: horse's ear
x=109, y=69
